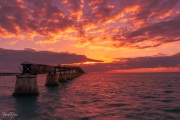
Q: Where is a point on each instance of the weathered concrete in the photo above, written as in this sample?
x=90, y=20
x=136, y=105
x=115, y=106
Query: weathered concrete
x=69, y=76
x=26, y=85
x=63, y=78
x=52, y=79
x=26, y=82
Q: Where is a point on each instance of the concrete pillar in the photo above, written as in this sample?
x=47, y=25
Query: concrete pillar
x=69, y=76
x=63, y=78
x=73, y=74
x=52, y=79
x=26, y=85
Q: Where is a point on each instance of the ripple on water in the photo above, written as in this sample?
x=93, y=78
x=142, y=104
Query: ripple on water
x=97, y=96
x=166, y=101
x=116, y=105
x=174, y=110
x=168, y=91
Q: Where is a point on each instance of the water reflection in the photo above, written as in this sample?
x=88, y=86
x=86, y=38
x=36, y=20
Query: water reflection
x=26, y=107
x=101, y=96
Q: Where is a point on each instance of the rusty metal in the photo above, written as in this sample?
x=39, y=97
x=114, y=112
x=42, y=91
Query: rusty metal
x=30, y=68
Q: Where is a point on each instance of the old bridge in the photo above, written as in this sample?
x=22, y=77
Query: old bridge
x=26, y=82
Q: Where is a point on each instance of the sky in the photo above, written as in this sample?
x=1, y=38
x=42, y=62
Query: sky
x=98, y=35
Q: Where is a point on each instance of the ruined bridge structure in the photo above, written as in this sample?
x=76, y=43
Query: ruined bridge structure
x=26, y=82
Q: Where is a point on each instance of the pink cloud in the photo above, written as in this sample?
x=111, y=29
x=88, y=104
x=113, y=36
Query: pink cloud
x=137, y=21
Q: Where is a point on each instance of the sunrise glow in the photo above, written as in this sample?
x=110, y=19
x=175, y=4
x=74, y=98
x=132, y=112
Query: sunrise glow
x=91, y=63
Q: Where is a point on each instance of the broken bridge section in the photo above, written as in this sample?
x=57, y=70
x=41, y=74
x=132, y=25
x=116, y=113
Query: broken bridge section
x=26, y=82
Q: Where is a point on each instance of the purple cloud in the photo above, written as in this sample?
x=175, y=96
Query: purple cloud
x=136, y=63
x=10, y=59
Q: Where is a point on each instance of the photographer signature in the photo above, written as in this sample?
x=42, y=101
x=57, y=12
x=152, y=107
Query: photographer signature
x=11, y=114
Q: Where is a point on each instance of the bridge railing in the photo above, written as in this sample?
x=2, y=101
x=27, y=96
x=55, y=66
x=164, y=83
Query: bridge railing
x=29, y=68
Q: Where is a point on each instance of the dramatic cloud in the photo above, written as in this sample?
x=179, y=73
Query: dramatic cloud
x=74, y=7
x=161, y=32
x=172, y=61
x=10, y=59
x=136, y=22
x=36, y=17
x=125, y=23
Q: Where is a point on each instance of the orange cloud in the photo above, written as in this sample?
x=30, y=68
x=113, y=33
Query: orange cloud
x=142, y=70
x=47, y=41
x=13, y=42
x=95, y=2
x=130, y=9
x=89, y=22
x=75, y=7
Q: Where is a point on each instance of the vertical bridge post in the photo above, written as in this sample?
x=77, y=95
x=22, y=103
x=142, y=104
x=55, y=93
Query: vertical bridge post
x=26, y=83
x=52, y=78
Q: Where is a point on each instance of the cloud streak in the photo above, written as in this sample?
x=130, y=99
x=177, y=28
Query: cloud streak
x=10, y=59
x=137, y=63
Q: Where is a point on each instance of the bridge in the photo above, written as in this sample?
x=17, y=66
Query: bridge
x=26, y=81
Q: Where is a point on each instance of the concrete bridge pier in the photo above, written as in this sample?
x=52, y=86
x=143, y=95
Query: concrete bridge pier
x=69, y=75
x=72, y=74
x=63, y=77
x=75, y=74
x=26, y=85
x=52, y=79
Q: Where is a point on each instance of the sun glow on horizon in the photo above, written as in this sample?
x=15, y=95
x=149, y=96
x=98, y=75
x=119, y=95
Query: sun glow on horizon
x=147, y=70
x=89, y=63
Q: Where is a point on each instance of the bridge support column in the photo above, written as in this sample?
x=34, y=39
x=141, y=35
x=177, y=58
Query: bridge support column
x=26, y=85
x=63, y=78
x=52, y=79
x=69, y=76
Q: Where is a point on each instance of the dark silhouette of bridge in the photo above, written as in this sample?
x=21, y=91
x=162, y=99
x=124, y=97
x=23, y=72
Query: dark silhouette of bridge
x=26, y=81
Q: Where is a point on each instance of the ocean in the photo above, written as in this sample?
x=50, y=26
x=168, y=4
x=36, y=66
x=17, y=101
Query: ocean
x=96, y=96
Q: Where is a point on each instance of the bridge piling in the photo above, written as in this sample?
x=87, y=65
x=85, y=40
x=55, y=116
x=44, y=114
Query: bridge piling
x=63, y=77
x=26, y=82
x=52, y=79
x=26, y=85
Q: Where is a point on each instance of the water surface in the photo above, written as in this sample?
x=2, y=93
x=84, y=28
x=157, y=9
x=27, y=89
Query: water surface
x=98, y=96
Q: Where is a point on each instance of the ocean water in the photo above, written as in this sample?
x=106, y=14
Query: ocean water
x=97, y=96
